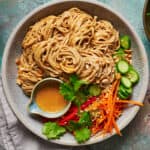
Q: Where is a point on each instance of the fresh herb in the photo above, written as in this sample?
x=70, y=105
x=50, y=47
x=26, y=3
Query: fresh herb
x=82, y=134
x=52, y=130
x=72, y=126
x=81, y=128
x=72, y=91
x=84, y=121
x=67, y=91
x=148, y=14
x=76, y=83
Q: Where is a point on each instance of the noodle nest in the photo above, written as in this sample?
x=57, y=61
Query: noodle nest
x=72, y=42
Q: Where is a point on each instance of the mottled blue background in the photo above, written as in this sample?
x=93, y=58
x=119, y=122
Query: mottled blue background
x=12, y=11
x=137, y=135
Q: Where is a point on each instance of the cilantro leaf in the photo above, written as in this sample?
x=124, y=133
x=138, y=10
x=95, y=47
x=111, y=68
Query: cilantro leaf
x=76, y=83
x=148, y=14
x=73, y=78
x=72, y=91
x=80, y=98
x=72, y=126
x=52, y=130
x=82, y=135
x=85, y=119
x=67, y=91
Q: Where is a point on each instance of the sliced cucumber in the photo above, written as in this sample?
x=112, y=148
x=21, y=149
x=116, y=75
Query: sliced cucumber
x=115, y=67
x=125, y=42
x=123, y=91
x=133, y=76
x=94, y=90
x=126, y=82
x=121, y=96
x=119, y=52
x=129, y=90
x=123, y=66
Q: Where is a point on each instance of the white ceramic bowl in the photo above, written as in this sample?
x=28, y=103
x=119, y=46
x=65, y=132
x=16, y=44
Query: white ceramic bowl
x=18, y=101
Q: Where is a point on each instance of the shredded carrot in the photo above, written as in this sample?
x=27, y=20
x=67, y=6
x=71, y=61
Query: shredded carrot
x=130, y=102
x=116, y=127
x=108, y=127
x=110, y=108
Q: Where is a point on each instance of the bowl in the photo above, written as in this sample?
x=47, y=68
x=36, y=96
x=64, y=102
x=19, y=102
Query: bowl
x=146, y=18
x=34, y=109
x=16, y=98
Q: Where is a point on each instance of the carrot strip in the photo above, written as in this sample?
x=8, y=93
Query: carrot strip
x=116, y=127
x=108, y=126
x=130, y=102
x=110, y=108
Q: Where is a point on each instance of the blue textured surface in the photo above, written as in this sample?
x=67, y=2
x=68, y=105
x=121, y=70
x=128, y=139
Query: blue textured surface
x=137, y=134
x=11, y=11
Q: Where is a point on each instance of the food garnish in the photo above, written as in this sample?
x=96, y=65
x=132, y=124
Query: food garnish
x=52, y=130
x=148, y=14
x=82, y=135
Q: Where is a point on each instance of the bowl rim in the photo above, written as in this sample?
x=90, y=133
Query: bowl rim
x=4, y=64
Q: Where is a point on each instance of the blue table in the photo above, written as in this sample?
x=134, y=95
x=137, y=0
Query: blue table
x=137, y=135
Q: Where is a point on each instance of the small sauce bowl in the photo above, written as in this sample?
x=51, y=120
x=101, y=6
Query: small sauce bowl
x=34, y=108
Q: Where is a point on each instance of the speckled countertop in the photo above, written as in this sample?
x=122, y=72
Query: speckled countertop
x=136, y=136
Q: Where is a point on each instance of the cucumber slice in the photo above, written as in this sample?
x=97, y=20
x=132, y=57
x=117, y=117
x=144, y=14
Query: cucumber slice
x=94, y=90
x=121, y=96
x=125, y=42
x=126, y=82
x=129, y=90
x=123, y=91
x=115, y=67
x=133, y=76
x=123, y=66
x=120, y=50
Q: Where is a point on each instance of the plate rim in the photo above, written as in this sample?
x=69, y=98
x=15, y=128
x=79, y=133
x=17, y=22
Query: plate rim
x=4, y=64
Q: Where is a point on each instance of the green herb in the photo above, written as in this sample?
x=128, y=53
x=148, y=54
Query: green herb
x=76, y=83
x=72, y=91
x=77, y=93
x=52, y=130
x=67, y=91
x=84, y=121
x=72, y=126
x=82, y=134
x=148, y=14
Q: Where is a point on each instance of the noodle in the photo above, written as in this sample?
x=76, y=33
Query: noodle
x=73, y=42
